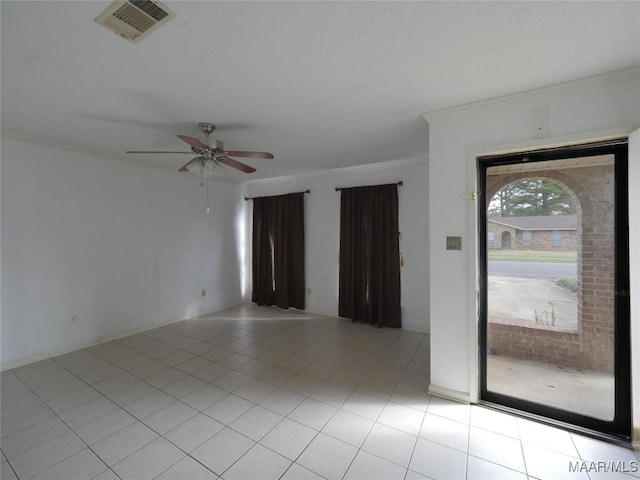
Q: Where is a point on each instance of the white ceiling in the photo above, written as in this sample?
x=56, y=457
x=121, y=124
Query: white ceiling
x=321, y=85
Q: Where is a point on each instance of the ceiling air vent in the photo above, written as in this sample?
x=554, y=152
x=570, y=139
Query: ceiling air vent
x=135, y=19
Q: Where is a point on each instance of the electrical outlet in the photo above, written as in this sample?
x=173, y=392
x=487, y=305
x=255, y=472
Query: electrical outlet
x=73, y=319
x=204, y=293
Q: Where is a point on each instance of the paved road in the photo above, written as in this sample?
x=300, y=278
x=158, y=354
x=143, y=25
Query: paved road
x=532, y=269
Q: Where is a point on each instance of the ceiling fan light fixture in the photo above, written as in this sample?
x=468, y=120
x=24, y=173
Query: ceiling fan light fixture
x=205, y=169
x=210, y=169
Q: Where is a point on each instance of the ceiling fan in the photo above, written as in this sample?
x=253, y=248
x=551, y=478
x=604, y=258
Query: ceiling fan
x=211, y=154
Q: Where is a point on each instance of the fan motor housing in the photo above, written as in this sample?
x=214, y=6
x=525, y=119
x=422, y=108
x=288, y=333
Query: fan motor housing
x=207, y=128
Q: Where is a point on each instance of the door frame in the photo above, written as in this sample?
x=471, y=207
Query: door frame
x=621, y=424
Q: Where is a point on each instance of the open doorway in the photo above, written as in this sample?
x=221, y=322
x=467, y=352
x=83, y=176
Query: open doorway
x=553, y=326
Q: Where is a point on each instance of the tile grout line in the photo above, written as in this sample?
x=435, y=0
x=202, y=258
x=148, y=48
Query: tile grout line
x=308, y=395
x=524, y=458
x=318, y=432
x=72, y=430
x=103, y=395
x=415, y=444
x=9, y=465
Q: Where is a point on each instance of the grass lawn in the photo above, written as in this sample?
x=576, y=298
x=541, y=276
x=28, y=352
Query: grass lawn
x=533, y=256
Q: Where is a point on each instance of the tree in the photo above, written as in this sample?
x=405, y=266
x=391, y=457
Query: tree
x=531, y=197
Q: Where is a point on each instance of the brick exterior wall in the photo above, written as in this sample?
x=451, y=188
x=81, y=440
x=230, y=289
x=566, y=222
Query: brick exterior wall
x=546, y=345
x=591, y=347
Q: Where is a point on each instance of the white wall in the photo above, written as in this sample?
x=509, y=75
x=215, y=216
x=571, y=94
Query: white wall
x=322, y=230
x=577, y=110
x=124, y=247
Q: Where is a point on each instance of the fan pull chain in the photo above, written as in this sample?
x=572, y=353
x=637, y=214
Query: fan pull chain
x=208, y=196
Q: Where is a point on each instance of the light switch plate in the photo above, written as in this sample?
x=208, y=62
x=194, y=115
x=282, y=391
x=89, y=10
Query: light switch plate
x=454, y=243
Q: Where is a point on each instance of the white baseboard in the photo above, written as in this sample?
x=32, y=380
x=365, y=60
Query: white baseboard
x=448, y=394
x=635, y=435
x=21, y=362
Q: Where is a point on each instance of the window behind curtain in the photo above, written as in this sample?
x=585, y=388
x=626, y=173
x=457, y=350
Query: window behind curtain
x=369, y=271
x=278, y=251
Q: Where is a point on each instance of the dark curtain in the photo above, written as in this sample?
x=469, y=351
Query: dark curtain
x=278, y=251
x=369, y=272
x=262, y=256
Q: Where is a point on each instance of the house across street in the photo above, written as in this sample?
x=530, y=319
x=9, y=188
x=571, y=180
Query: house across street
x=541, y=232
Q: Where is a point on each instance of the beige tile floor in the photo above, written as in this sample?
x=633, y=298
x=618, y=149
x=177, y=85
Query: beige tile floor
x=260, y=393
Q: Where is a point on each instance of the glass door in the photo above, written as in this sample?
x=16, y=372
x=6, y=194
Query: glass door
x=554, y=282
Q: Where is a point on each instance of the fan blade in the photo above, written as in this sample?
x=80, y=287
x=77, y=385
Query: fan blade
x=242, y=153
x=154, y=151
x=194, y=142
x=235, y=164
x=184, y=167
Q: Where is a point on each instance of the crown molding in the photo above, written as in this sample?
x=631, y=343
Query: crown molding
x=358, y=169
x=77, y=149
x=140, y=162
x=627, y=75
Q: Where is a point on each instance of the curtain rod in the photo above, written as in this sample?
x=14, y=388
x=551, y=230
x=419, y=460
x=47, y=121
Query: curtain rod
x=338, y=188
x=251, y=198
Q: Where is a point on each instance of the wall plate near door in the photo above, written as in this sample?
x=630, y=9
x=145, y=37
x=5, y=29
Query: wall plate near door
x=454, y=243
